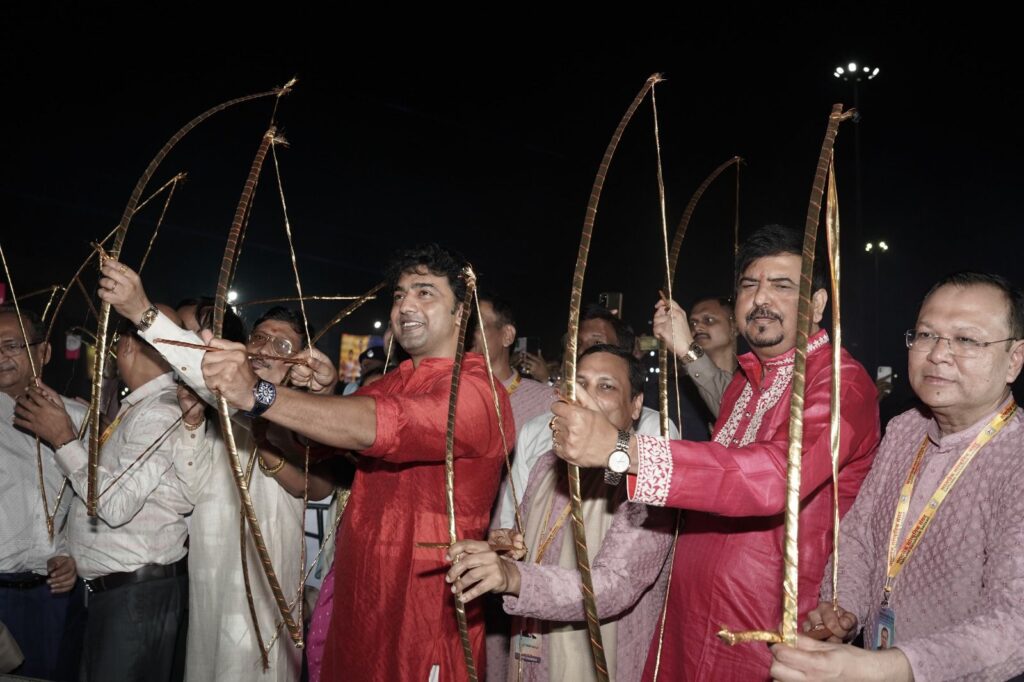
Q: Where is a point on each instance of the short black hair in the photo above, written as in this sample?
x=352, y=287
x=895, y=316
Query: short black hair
x=623, y=332
x=502, y=308
x=724, y=301
x=292, y=317
x=772, y=240
x=438, y=261
x=1014, y=296
x=33, y=323
x=633, y=368
x=234, y=328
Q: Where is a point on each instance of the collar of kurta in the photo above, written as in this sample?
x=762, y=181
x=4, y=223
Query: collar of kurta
x=149, y=388
x=759, y=373
x=961, y=439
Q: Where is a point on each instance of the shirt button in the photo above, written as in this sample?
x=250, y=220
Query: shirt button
x=190, y=463
x=184, y=369
x=193, y=435
x=735, y=441
x=747, y=414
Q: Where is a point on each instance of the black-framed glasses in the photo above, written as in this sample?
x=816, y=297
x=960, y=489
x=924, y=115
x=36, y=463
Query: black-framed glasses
x=960, y=346
x=280, y=346
x=11, y=348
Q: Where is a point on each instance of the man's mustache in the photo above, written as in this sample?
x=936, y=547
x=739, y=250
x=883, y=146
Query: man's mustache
x=763, y=312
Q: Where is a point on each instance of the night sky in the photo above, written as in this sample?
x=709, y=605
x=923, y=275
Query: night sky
x=484, y=133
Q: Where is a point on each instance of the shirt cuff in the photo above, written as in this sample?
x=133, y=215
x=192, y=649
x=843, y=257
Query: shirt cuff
x=701, y=365
x=521, y=605
x=71, y=457
x=654, y=471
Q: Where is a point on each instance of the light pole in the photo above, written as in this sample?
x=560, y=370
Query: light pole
x=876, y=249
x=854, y=73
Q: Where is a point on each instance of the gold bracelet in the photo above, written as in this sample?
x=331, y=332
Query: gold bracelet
x=270, y=471
x=190, y=427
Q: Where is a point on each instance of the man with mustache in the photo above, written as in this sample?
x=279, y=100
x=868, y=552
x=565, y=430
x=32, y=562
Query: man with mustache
x=710, y=342
x=728, y=563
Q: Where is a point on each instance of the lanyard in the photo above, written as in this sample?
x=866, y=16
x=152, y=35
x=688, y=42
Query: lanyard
x=109, y=431
x=554, y=530
x=898, y=558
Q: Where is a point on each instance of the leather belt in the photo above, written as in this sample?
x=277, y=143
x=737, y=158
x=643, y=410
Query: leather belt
x=140, y=575
x=21, y=581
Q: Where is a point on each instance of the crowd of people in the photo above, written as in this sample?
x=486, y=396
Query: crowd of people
x=684, y=521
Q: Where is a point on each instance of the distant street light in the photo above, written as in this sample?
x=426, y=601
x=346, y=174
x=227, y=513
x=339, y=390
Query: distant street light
x=232, y=296
x=377, y=324
x=877, y=248
x=855, y=73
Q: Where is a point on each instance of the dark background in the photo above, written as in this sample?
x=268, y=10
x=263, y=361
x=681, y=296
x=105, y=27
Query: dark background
x=484, y=133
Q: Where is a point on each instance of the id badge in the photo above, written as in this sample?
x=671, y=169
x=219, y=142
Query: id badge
x=528, y=647
x=885, y=629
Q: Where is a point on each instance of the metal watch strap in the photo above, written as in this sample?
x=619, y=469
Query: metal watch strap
x=621, y=445
x=148, y=318
x=693, y=352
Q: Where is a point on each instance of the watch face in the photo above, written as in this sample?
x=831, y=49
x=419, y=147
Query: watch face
x=618, y=462
x=265, y=393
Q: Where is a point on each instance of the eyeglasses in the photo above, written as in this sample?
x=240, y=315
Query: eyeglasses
x=960, y=346
x=280, y=347
x=11, y=348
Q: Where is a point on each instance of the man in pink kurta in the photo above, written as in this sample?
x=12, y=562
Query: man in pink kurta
x=945, y=604
x=728, y=562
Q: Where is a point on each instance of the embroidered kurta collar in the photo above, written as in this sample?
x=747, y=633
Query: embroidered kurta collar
x=755, y=371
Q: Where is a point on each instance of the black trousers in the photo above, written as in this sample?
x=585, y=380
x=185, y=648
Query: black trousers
x=48, y=628
x=137, y=632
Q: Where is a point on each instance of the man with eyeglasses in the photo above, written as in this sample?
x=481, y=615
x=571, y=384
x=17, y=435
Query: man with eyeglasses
x=40, y=601
x=222, y=641
x=728, y=560
x=930, y=562
x=133, y=552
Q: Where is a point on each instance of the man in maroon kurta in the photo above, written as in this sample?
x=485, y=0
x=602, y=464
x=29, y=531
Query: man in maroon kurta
x=728, y=561
x=393, y=614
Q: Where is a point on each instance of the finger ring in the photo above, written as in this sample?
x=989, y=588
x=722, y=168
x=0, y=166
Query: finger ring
x=122, y=268
x=113, y=286
x=551, y=424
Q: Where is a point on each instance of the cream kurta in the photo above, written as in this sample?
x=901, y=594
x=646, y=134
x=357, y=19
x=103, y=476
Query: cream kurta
x=221, y=639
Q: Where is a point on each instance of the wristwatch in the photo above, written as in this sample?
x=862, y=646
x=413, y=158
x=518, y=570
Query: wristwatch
x=695, y=351
x=148, y=318
x=265, y=394
x=618, y=461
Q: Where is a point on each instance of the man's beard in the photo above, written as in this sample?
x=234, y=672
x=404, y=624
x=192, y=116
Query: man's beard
x=757, y=338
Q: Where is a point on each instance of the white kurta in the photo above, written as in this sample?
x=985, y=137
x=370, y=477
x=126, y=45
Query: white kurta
x=221, y=638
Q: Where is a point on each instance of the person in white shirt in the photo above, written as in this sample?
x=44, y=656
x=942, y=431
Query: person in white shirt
x=40, y=600
x=132, y=554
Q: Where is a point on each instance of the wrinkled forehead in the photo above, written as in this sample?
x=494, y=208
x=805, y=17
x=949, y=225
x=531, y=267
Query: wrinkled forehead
x=710, y=307
x=775, y=266
x=596, y=365
x=979, y=306
x=11, y=329
x=281, y=330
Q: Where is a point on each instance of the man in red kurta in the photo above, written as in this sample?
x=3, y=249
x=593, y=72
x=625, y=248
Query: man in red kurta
x=393, y=614
x=728, y=561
